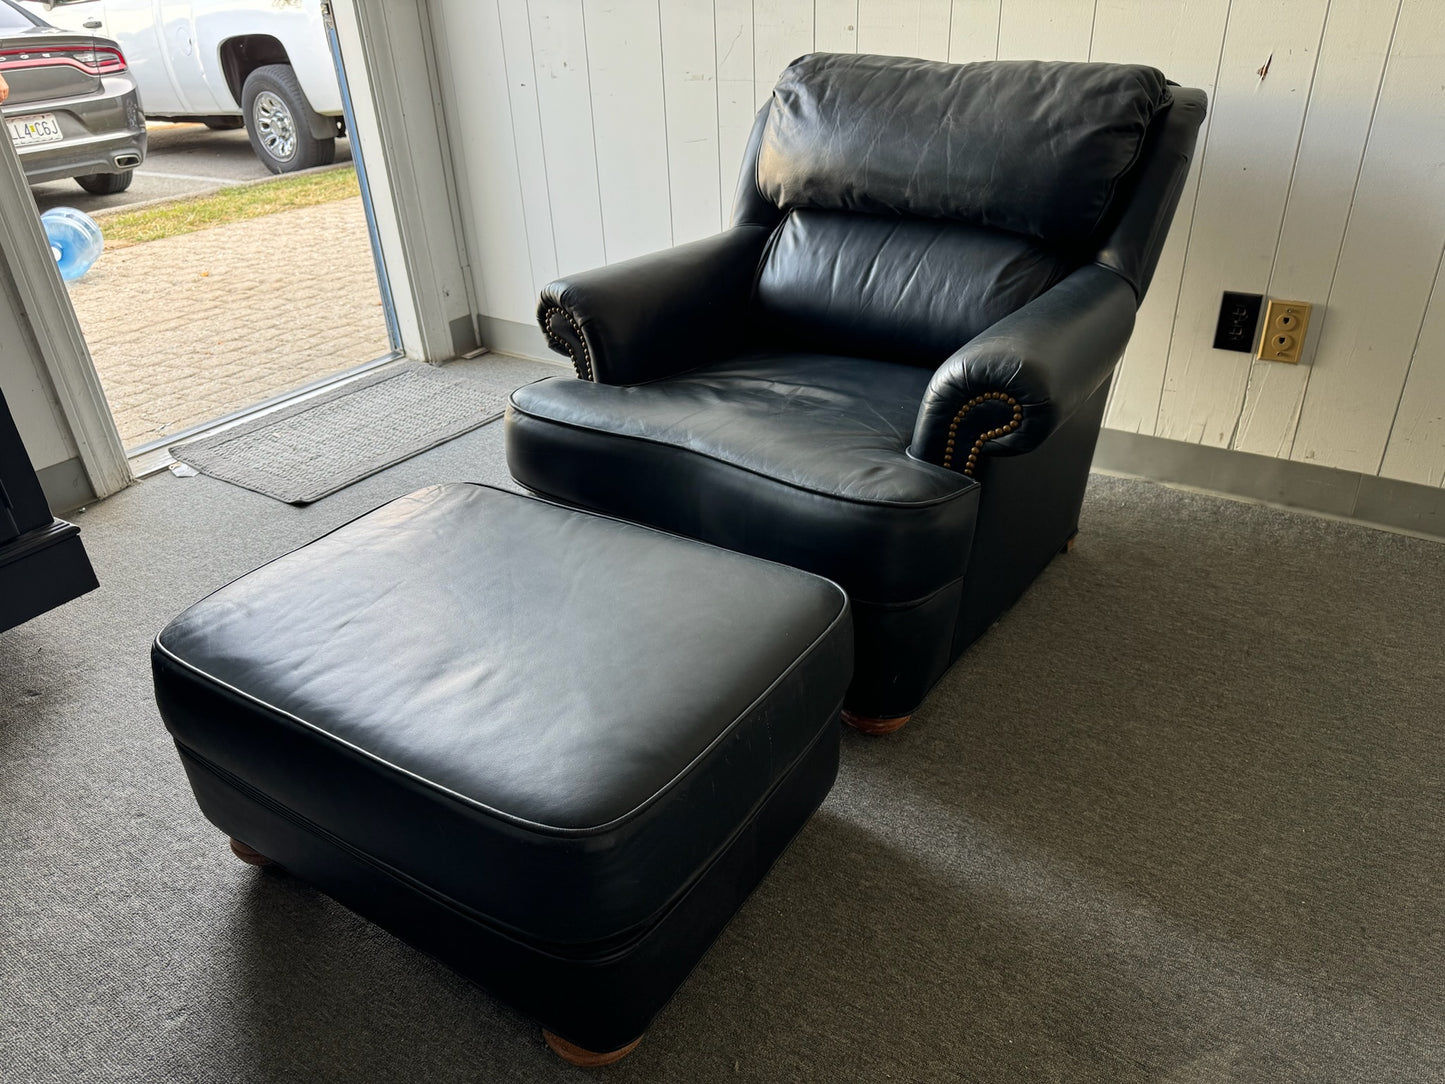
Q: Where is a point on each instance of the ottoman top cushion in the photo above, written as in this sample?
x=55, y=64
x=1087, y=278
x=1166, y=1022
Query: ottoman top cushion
x=553, y=668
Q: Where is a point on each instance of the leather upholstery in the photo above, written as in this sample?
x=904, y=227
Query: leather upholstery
x=1028, y=373
x=994, y=225
x=554, y=750
x=896, y=289
x=792, y=457
x=559, y=740
x=1134, y=236
x=644, y=318
x=1034, y=147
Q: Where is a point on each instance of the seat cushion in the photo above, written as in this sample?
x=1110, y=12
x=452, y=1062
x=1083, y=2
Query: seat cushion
x=800, y=458
x=548, y=718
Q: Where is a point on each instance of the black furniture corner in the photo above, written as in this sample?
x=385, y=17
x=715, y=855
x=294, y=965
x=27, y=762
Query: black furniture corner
x=42, y=561
x=892, y=369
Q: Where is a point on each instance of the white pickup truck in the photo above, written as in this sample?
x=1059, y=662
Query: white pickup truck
x=225, y=63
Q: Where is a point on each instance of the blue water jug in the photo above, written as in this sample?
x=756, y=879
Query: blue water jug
x=75, y=240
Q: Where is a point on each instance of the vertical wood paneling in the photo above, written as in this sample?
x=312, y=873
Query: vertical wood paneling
x=516, y=43
x=1244, y=177
x=1324, y=181
x=1337, y=123
x=1183, y=39
x=733, y=20
x=689, y=70
x=624, y=64
x=1416, y=452
x=973, y=31
x=1045, y=29
x=835, y=26
x=564, y=103
x=905, y=27
x=1386, y=270
x=486, y=157
x=782, y=32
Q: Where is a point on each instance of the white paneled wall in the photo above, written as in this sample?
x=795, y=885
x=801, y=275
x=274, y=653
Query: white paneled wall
x=589, y=131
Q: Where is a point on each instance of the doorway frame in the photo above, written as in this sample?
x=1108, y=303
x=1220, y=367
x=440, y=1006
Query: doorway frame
x=390, y=67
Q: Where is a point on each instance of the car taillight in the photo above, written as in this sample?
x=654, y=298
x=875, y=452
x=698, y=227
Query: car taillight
x=91, y=59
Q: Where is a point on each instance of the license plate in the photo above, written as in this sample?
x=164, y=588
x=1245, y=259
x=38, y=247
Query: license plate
x=39, y=128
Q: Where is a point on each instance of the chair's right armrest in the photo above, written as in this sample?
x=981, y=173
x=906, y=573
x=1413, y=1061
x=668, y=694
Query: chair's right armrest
x=662, y=313
x=1012, y=386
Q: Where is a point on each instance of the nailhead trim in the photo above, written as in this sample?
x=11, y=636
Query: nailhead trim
x=583, y=367
x=989, y=434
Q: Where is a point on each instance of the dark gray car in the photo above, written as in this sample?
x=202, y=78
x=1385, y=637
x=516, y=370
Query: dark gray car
x=73, y=109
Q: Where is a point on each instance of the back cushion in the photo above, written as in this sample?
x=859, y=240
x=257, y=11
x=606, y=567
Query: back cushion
x=894, y=288
x=1032, y=147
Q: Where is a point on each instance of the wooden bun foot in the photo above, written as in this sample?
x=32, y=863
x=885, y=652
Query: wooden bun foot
x=587, y=1059
x=1068, y=546
x=865, y=724
x=248, y=854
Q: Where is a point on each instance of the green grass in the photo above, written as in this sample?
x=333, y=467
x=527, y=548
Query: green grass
x=228, y=205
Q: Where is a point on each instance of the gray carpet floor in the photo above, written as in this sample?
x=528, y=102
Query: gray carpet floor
x=1176, y=819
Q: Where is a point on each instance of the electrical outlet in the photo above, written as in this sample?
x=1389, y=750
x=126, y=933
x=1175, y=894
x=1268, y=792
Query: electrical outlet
x=1285, y=324
x=1238, y=318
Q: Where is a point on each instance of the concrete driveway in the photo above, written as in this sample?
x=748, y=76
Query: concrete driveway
x=181, y=160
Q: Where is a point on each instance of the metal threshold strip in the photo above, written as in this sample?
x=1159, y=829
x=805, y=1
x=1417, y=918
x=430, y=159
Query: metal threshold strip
x=154, y=456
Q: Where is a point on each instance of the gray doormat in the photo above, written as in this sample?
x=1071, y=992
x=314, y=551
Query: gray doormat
x=303, y=453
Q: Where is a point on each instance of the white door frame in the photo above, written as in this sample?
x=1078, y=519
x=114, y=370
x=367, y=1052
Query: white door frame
x=58, y=341
x=391, y=68
x=400, y=129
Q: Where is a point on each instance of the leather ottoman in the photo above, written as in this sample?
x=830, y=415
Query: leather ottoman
x=554, y=750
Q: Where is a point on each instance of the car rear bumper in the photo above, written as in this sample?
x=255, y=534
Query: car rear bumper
x=102, y=133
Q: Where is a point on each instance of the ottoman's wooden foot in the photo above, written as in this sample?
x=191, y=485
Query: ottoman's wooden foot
x=587, y=1059
x=1068, y=546
x=866, y=724
x=248, y=854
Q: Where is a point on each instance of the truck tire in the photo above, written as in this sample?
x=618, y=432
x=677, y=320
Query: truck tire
x=276, y=114
x=105, y=184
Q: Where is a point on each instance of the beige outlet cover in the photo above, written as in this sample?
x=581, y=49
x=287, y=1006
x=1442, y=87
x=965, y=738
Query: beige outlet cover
x=1283, y=338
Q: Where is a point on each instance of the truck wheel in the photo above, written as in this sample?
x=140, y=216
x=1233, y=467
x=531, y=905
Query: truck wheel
x=105, y=184
x=276, y=120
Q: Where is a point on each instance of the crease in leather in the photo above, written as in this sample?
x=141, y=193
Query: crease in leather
x=894, y=288
x=1074, y=130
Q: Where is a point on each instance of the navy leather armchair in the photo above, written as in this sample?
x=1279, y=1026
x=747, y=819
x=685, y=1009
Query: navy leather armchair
x=892, y=368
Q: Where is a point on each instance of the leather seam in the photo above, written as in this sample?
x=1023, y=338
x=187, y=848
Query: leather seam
x=623, y=942
x=583, y=367
x=204, y=678
x=988, y=434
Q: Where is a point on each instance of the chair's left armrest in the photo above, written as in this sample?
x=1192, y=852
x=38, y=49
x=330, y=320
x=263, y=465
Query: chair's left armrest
x=1010, y=387
x=654, y=315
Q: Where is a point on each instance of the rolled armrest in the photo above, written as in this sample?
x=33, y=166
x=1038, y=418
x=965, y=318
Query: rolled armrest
x=1009, y=388
x=662, y=313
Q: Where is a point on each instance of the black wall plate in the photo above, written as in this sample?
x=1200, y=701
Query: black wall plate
x=1238, y=322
